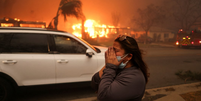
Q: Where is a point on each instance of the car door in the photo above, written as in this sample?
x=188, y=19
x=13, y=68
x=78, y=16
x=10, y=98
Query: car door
x=26, y=59
x=72, y=64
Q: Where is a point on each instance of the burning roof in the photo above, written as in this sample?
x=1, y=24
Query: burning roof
x=10, y=22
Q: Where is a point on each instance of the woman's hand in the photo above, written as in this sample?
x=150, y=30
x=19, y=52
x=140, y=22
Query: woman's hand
x=101, y=72
x=110, y=57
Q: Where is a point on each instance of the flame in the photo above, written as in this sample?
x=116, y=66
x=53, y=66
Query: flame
x=6, y=25
x=77, y=34
x=93, y=28
x=33, y=25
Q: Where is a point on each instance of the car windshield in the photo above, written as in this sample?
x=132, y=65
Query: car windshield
x=94, y=48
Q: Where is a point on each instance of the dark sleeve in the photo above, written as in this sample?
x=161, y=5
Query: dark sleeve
x=95, y=81
x=125, y=86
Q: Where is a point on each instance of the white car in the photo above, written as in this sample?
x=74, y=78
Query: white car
x=33, y=56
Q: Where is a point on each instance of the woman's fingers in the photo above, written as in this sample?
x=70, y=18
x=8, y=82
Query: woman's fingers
x=110, y=56
x=106, y=54
x=109, y=51
x=112, y=52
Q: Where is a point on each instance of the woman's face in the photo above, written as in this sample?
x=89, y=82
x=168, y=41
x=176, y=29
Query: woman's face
x=119, y=51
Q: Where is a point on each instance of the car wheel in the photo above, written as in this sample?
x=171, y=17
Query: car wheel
x=5, y=90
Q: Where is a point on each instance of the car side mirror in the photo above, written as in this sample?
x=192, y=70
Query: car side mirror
x=89, y=53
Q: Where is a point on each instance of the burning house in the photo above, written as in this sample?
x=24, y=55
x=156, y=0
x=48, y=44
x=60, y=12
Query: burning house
x=93, y=29
x=9, y=22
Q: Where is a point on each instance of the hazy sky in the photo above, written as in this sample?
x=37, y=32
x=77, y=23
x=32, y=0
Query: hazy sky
x=99, y=10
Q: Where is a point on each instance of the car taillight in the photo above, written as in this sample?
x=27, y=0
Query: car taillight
x=177, y=43
x=192, y=42
x=199, y=41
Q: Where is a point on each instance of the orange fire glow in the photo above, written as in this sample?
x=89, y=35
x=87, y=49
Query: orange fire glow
x=93, y=28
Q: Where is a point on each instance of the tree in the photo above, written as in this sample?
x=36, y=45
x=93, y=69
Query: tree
x=148, y=17
x=115, y=18
x=185, y=12
x=67, y=8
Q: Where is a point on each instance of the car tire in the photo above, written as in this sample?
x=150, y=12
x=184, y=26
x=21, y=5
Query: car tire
x=6, y=90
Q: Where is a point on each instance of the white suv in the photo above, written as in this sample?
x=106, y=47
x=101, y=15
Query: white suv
x=32, y=56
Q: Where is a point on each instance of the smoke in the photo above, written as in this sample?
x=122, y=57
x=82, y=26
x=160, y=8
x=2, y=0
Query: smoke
x=35, y=10
x=99, y=10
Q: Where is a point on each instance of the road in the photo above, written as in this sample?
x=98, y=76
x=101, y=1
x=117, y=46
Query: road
x=163, y=63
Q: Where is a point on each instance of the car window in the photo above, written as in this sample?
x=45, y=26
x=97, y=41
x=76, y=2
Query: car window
x=66, y=44
x=28, y=43
x=94, y=48
x=4, y=40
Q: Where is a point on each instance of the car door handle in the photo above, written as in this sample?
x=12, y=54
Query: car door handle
x=9, y=62
x=62, y=61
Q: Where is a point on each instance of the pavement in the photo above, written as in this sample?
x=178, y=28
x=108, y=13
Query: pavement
x=169, y=93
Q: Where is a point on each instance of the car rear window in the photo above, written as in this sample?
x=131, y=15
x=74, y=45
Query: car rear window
x=4, y=40
x=27, y=43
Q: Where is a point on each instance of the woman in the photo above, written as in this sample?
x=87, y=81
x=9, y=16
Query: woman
x=125, y=74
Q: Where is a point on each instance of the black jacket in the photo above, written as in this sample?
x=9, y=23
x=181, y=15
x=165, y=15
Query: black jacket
x=119, y=85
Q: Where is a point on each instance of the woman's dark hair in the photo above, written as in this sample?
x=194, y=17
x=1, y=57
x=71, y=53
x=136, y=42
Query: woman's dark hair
x=130, y=45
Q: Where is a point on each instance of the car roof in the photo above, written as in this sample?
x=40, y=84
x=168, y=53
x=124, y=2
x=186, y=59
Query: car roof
x=29, y=28
x=32, y=29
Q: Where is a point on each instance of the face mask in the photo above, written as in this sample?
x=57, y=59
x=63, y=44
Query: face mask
x=122, y=65
x=118, y=58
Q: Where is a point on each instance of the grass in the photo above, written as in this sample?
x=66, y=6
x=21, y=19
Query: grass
x=188, y=75
x=192, y=96
x=153, y=98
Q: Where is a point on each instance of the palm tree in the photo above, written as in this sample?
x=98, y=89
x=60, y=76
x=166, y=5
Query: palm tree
x=68, y=8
